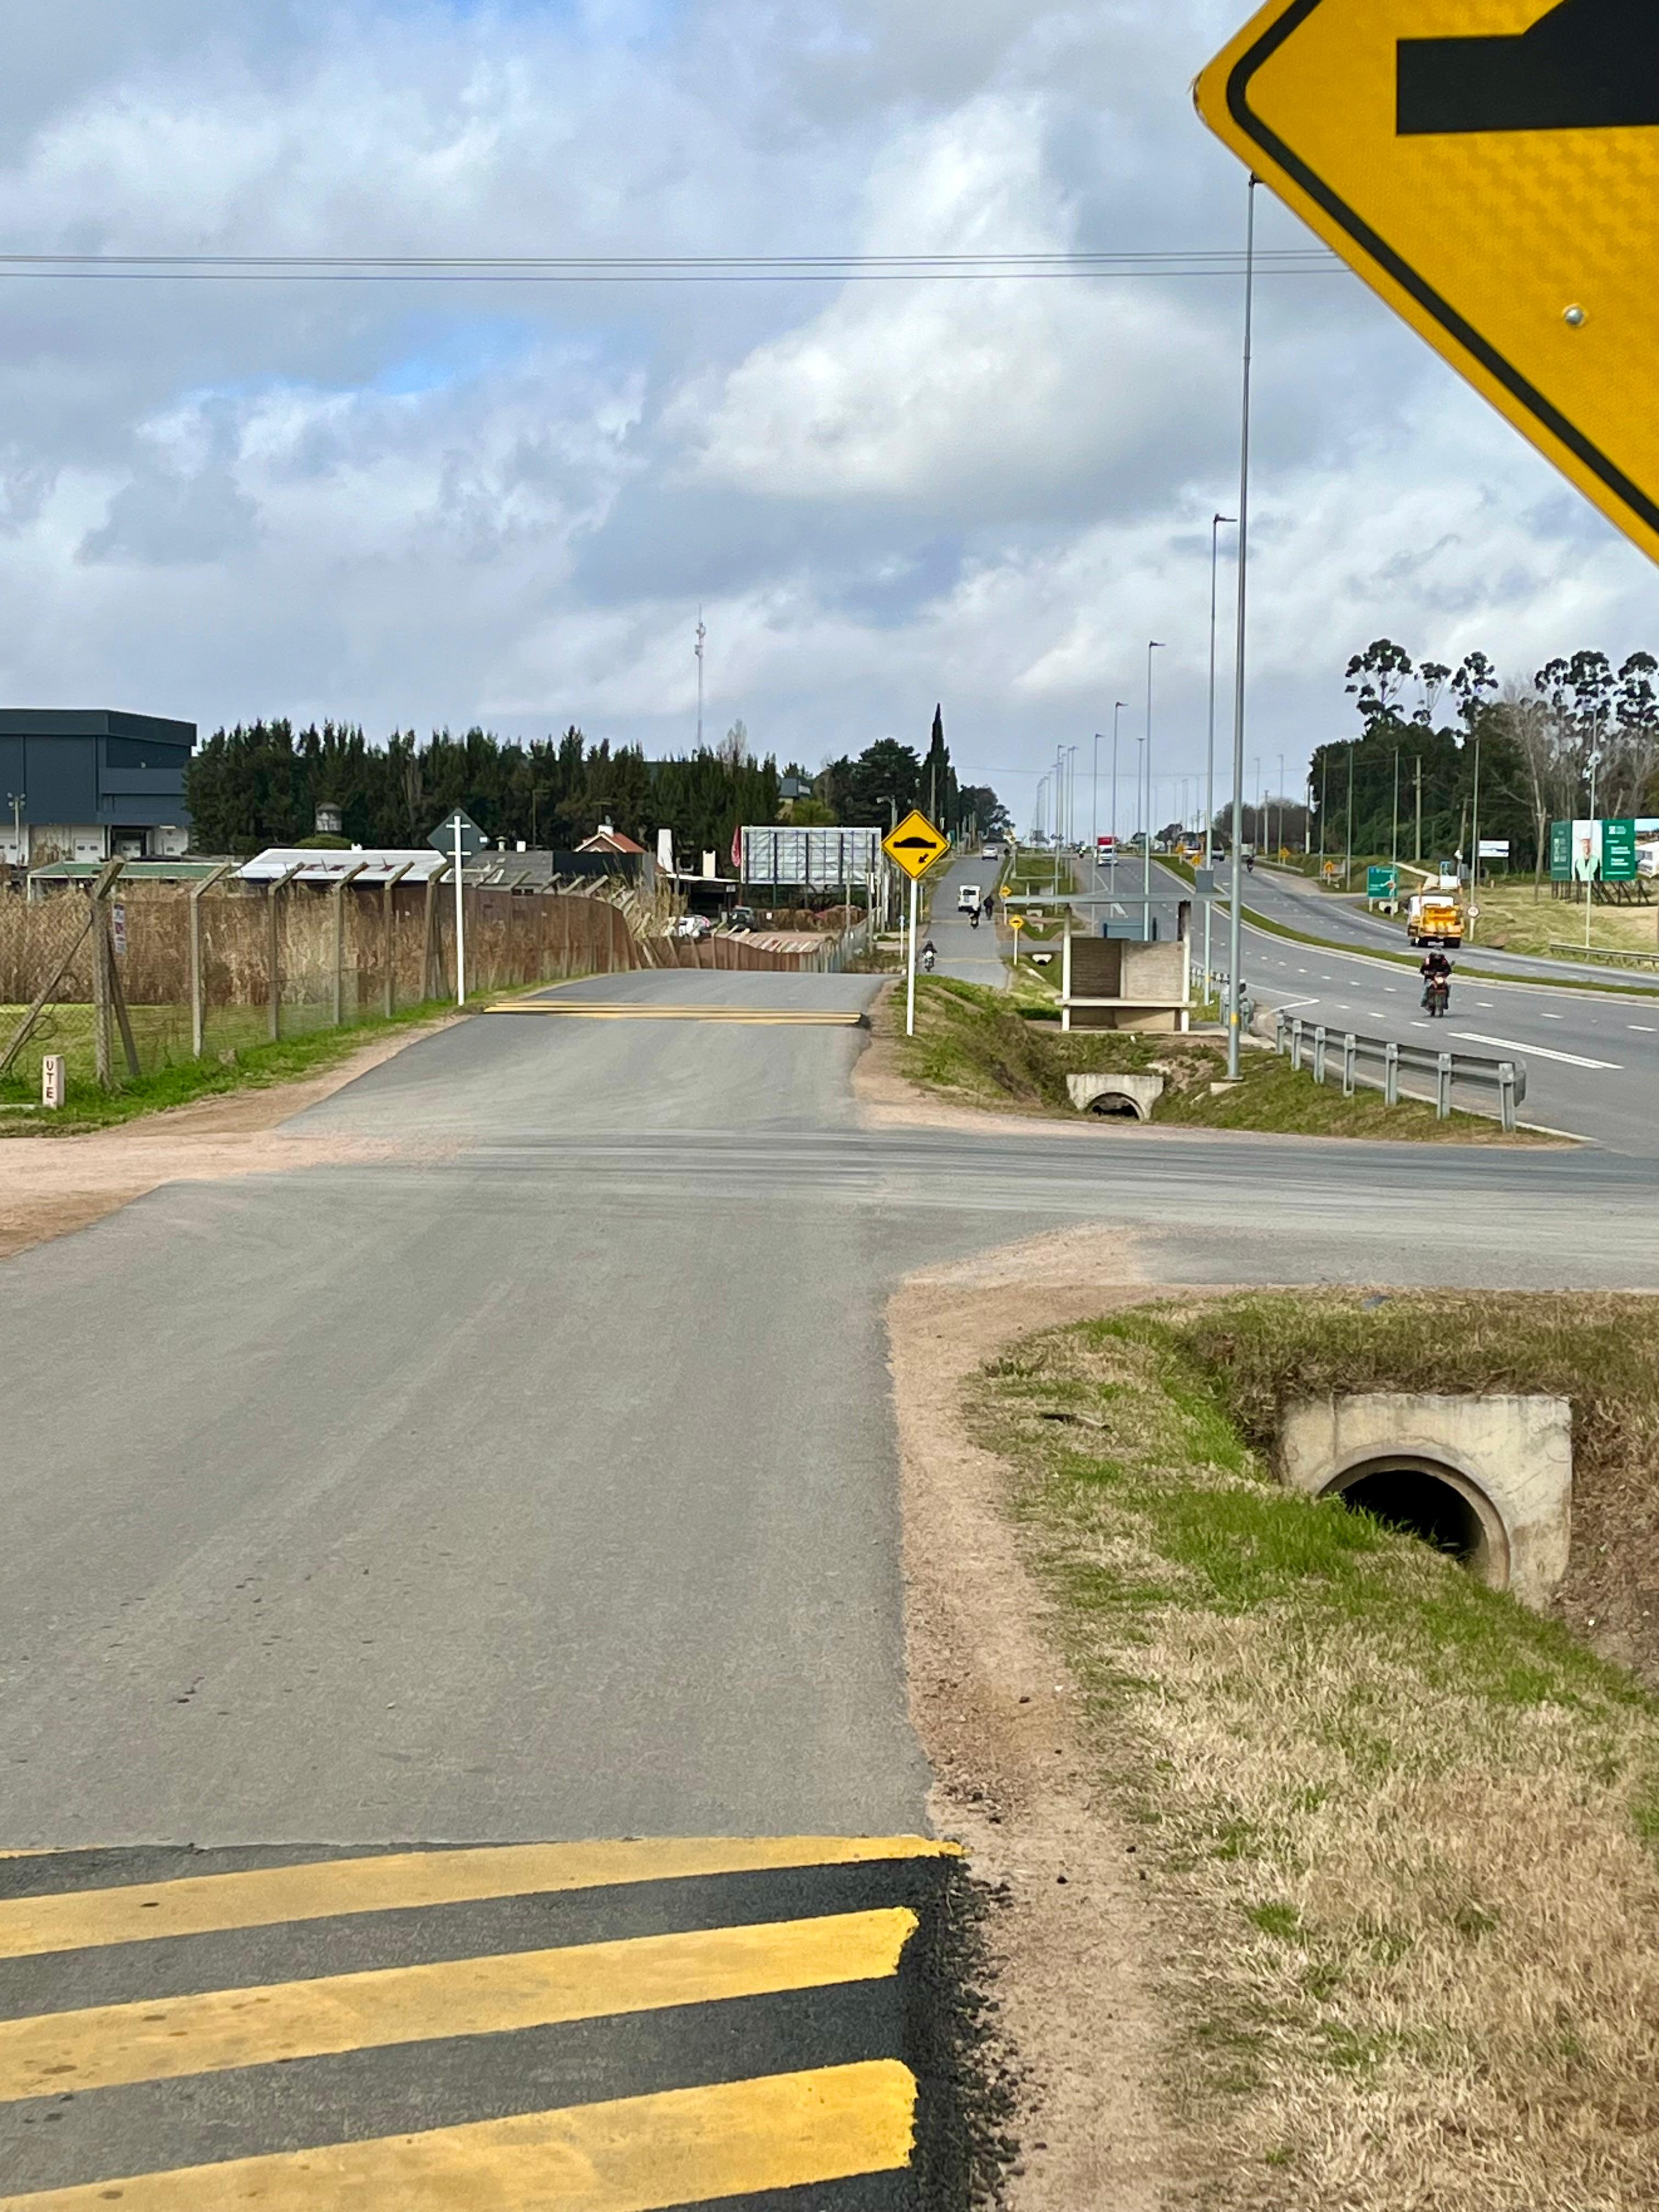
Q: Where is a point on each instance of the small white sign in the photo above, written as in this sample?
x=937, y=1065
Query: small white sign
x=51, y=1080
x=1494, y=848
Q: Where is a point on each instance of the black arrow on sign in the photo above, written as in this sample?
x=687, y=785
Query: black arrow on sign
x=1588, y=65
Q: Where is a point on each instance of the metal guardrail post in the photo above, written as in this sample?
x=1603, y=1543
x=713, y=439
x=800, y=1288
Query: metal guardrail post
x=1390, y=1074
x=1350, y=1048
x=1506, y=1093
x=1442, y=1084
x=1319, y=1052
x=1295, y=1044
x=1281, y=1031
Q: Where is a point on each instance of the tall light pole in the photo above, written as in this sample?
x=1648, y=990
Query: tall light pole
x=1094, y=813
x=1118, y=705
x=701, y=633
x=1216, y=525
x=1153, y=645
x=1235, y=921
x=1281, y=802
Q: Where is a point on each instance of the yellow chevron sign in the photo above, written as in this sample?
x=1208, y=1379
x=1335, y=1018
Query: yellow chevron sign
x=1490, y=169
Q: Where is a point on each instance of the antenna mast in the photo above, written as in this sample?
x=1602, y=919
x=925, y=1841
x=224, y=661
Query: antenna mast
x=701, y=633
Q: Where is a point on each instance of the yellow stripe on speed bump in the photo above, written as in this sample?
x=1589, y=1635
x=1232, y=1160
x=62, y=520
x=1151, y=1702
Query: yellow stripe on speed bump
x=210, y=2033
x=201, y=1905
x=631, y=2154
x=632, y=1009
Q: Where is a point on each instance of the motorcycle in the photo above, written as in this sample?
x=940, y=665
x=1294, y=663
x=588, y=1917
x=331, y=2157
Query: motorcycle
x=927, y=961
x=1436, y=996
x=973, y=918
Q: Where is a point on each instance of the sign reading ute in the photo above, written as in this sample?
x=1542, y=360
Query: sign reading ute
x=1496, y=180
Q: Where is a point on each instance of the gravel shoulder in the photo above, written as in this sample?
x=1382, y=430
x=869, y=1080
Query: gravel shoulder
x=1076, y=1960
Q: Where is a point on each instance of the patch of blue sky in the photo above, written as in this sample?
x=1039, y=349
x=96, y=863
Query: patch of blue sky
x=454, y=354
x=585, y=22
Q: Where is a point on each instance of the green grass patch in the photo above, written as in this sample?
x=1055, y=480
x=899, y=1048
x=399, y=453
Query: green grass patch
x=221, y=1069
x=975, y=1045
x=1408, y=1830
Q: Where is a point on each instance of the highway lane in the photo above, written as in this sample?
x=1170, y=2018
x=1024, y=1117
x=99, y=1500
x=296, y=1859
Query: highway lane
x=1592, y=1057
x=968, y=954
x=1292, y=900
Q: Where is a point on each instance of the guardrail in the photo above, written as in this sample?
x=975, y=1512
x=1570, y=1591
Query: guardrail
x=1507, y=1077
x=1614, y=955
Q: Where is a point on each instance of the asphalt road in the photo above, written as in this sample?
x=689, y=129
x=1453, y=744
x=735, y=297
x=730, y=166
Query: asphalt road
x=529, y=1474
x=968, y=954
x=1592, y=1057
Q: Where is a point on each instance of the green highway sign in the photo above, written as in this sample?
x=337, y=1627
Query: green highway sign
x=1619, y=851
x=1560, y=852
x=1381, y=883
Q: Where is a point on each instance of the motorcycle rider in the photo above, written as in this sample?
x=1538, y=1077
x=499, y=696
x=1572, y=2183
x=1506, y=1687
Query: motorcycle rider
x=1434, y=968
x=929, y=955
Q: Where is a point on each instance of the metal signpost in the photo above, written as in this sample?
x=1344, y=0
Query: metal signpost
x=1489, y=172
x=913, y=845
x=457, y=837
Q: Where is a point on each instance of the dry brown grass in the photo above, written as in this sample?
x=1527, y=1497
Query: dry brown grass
x=1404, y=1829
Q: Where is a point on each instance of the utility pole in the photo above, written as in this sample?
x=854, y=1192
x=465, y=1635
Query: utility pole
x=1153, y=645
x=1475, y=836
x=1348, y=856
x=1324, y=802
x=1235, y=921
x=1416, y=853
x=701, y=633
x=1281, y=802
x=1393, y=833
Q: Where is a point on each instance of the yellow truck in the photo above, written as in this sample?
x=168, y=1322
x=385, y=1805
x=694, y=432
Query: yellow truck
x=1433, y=916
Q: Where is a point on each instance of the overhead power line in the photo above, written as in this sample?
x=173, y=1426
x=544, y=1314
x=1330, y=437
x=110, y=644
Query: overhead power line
x=659, y=269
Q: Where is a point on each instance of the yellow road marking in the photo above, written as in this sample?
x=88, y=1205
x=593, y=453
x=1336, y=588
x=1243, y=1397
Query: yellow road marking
x=200, y=1904
x=631, y=1011
x=216, y=2029
x=630, y=2155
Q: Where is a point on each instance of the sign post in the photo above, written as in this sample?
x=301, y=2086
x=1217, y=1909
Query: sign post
x=1016, y=922
x=458, y=837
x=1489, y=171
x=913, y=845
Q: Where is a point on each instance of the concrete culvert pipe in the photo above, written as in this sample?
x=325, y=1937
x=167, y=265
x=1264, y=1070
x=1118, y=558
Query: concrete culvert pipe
x=1114, y=1101
x=1431, y=1502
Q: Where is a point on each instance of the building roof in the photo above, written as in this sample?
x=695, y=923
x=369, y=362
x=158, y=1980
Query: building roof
x=93, y=722
x=607, y=840
x=376, y=864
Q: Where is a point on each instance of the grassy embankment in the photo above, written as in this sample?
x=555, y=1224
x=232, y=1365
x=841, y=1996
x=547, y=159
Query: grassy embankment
x=182, y=1081
x=974, y=1046
x=1403, y=1834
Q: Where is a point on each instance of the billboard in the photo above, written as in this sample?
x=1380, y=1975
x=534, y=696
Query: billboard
x=1560, y=852
x=1619, y=851
x=815, y=859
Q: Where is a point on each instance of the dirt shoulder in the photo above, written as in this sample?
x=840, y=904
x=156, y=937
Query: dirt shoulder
x=49, y=1188
x=1075, y=1959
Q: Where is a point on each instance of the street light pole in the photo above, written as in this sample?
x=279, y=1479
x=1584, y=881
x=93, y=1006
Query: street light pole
x=1118, y=705
x=1235, y=939
x=1153, y=645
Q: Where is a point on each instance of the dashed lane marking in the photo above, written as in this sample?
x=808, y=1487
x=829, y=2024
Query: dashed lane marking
x=618, y=2027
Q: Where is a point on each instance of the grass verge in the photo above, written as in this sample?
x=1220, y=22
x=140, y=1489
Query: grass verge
x=1404, y=1831
x=974, y=1046
x=247, y=1067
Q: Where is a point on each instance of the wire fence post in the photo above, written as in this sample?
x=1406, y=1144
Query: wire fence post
x=273, y=967
x=340, y=889
x=389, y=936
x=197, y=991
x=102, y=962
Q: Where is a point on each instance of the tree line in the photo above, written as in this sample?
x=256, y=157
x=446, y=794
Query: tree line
x=261, y=783
x=1424, y=726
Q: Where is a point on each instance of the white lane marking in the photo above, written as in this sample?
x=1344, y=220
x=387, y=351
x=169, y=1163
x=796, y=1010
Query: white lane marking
x=1552, y=1017
x=1393, y=989
x=1290, y=1005
x=1484, y=1004
x=1301, y=971
x=1648, y=1026
x=1537, y=1051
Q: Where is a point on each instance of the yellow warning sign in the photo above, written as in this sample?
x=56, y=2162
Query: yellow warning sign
x=914, y=843
x=1490, y=168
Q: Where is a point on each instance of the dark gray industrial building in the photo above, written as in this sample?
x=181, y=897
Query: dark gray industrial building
x=88, y=784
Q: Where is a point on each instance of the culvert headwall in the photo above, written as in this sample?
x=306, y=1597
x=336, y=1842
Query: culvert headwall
x=1486, y=1478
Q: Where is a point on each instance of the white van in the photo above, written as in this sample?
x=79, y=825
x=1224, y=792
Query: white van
x=967, y=898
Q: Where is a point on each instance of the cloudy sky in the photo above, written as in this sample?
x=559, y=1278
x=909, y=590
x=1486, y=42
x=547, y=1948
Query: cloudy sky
x=414, y=505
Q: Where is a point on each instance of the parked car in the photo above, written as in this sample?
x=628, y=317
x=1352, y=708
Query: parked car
x=691, y=925
x=741, y=918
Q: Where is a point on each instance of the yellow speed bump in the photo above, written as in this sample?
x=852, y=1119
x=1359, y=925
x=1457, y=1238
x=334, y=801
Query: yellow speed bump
x=636, y=1010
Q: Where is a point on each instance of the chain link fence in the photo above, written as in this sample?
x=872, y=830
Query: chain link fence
x=123, y=981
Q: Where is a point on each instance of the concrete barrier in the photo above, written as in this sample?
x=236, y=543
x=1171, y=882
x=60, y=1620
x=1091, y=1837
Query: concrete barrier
x=1101, y=1094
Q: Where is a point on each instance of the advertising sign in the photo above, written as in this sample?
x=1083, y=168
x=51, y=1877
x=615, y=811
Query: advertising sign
x=1560, y=852
x=1494, y=848
x=1586, y=851
x=1619, y=851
